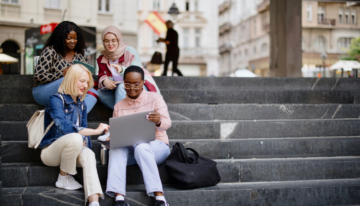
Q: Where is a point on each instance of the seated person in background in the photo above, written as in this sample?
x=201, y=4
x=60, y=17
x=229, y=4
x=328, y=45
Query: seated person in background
x=65, y=45
x=146, y=155
x=67, y=144
x=113, y=62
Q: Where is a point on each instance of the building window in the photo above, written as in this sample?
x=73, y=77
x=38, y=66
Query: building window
x=196, y=5
x=344, y=43
x=187, y=5
x=154, y=40
x=186, y=37
x=341, y=14
x=346, y=16
x=309, y=12
x=320, y=43
x=52, y=4
x=239, y=56
x=156, y=5
x=246, y=52
x=255, y=52
x=321, y=14
x=10, y=1
x=197, y=37
x=254, y=26
x=104, y=6
x=264, y=49
x=353, y=16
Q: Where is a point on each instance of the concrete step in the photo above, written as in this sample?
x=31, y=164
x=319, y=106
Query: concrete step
x=258, y=84
x=23, y=112
x=18, y=89
x=250, y=84
x=299, y=193
x=235, y=170
x=18, y=151
x=226, y=96
x=241, y=129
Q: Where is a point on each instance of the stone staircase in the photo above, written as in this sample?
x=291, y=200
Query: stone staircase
x=277, y=141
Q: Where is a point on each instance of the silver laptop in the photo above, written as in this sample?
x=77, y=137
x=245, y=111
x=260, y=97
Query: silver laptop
x=131, y=129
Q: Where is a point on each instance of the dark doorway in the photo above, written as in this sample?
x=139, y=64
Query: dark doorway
x=11, y=48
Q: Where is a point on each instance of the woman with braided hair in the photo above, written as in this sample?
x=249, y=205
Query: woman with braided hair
x=65, y=45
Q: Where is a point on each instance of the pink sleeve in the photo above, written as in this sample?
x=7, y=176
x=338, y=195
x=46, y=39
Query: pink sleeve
x=102, y=78
x=162, y=108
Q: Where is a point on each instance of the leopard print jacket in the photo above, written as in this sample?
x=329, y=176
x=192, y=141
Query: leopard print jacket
x=51, y=64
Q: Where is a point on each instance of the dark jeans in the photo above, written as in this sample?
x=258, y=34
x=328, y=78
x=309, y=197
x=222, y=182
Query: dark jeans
x=174, y=58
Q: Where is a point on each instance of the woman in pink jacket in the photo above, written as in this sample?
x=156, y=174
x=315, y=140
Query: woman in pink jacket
x=113, y=62
x=146, y=155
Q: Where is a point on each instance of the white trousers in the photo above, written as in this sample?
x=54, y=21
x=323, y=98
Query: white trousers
x=68, y=152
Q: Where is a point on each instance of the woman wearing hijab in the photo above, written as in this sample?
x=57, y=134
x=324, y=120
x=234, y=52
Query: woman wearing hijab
x=113, y=62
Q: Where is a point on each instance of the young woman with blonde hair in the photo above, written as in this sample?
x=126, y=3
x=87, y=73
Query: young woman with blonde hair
x=67, y=144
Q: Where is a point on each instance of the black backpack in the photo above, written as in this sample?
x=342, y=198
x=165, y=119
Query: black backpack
x=190, y=171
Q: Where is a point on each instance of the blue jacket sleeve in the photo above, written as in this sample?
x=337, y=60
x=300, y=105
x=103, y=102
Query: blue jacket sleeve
x=58, y=116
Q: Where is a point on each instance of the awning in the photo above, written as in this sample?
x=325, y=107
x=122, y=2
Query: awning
x=243, y=73
x=7, y=59
x=346, y=65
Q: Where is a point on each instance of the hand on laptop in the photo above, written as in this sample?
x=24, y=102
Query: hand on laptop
x=155, y=117
x=102, y=127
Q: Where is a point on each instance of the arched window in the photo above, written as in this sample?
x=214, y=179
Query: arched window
x=11, y=48
x=320, y=43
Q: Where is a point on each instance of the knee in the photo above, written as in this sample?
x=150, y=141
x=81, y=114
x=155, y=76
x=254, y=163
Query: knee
x=117, y=152
x=75, y=140
x=142, y=149
x=87, y=155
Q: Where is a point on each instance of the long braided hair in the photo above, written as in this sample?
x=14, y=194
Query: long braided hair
x=57, y=38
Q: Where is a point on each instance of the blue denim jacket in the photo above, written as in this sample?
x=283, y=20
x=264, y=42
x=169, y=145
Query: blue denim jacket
x=65, y=116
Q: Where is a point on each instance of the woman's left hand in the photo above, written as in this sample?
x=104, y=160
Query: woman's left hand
x=117, y=67
x=155, y=117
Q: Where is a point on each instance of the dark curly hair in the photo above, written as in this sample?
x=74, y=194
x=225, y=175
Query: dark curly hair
x=136, y=69
x=58, y=36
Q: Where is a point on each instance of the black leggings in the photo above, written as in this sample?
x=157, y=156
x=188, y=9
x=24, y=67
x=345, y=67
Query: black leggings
x=174, y=58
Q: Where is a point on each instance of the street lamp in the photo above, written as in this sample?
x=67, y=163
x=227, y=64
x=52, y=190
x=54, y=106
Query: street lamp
x=323, y=56
x=173, y=11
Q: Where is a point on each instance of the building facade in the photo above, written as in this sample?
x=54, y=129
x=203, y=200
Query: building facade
x=198, y=34
x=16, y=16
x=327, y=27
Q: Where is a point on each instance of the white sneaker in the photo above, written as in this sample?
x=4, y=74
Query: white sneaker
x=104, y=137
x=67, y=182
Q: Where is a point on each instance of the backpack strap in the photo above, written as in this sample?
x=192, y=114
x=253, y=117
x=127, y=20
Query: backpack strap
x=52, y=123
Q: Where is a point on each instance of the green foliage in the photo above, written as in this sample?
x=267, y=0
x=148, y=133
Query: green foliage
x=353, y=51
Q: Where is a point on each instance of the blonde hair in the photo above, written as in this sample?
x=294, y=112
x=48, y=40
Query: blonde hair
x=69, y=84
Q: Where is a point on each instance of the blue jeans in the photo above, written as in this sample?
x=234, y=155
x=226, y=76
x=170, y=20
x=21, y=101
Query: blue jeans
x=110, y=97
x=147, y=156
x=42, y=93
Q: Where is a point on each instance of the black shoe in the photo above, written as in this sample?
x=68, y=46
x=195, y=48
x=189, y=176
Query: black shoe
x=121, y=203
x=160, y=203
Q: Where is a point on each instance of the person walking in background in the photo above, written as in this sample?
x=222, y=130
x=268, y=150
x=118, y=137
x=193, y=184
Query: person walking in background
x=113, y=62
x=65, y=45
x=172, y=49
x=67, y=143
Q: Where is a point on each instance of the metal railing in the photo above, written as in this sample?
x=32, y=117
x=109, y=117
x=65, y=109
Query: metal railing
x=329, y=22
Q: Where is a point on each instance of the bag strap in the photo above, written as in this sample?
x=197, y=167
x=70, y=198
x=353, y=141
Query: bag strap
x=185, y=156
x=52, y=123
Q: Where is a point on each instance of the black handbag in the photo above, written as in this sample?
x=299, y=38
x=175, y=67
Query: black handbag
x=190, y=171
x=156, y=58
